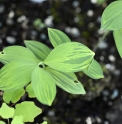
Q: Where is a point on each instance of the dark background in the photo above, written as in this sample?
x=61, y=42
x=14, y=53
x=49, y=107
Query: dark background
x=80, y=20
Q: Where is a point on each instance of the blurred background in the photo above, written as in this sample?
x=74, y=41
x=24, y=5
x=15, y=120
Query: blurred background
x=80, y=20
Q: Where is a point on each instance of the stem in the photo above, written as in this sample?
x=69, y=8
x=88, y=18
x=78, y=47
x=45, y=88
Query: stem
x=101, y=40
x=8, y=121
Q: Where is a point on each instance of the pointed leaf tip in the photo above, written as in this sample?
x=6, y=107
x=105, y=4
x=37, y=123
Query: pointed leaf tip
x=94, y=70
x=57, y=37
x=69, y=57
x=44, y=86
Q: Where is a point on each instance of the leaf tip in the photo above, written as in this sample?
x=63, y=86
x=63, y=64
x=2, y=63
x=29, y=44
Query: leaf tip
x=49, y=29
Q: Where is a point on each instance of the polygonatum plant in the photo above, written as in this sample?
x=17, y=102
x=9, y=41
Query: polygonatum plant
x=112, y=21
x=40, y=69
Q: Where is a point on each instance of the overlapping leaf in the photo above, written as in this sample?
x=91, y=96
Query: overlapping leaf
x=67, y=81
x=57, y=37
x=28, y=110
x=17, y=53
x=111, y=17
x=17, y=120
x=118, y=40
x=13, y=95
x=15, y=75
x=94, y=70
x=40, y=50
x=30, y=91
x=6, y=111
x=69, y=57
x=43, y=85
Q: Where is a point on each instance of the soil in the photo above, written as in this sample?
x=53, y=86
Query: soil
x=80, y=20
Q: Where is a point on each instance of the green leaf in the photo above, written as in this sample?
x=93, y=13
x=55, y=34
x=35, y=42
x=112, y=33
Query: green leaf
x=45, y=122
x=111, y=17
x=13, y=95
x=15, y=75
x=57, y=37
x=28, y=110
x=40, y=50
x=1, y=122
x=94, y=70
x=17, y=53
x=17, y=120
x=69, y=57
x=6, y=111
x=43, y=85
x=30, y=91
x=118, y=40
x=67, y=81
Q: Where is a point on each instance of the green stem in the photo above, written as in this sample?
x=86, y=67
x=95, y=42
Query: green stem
x=100, y=40
x=8, y=120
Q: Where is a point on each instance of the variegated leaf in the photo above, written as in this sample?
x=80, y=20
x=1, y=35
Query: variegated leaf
x=43, y=85
x=40, y=50
x=17, y=53
x=57, y=37
x=67, y=81
x=69, y=57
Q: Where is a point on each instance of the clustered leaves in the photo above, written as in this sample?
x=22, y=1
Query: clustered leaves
x=21, y=113
x=112, y=20
x=40, y=69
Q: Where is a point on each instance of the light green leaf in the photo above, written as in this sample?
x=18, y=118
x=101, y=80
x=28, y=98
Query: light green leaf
x=6, y=111
x=17, y=120
x=15, y=75
x=69, y=57
x=111, y=17
x=67, y=81
x=1, y=122
x=43, y=85
x=94, y=70
x=118, y=40
x=45, y=122
x=30, y=91
x=13, y=95
x=28, y=110
x=40, y=50
x=57, y=37
x=17, y=53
